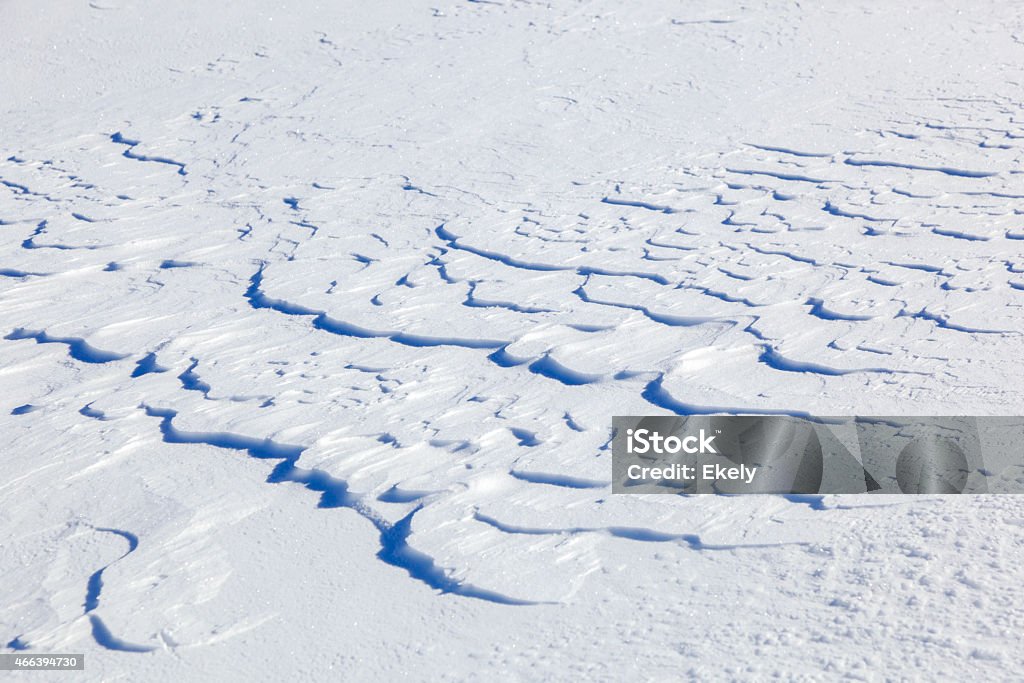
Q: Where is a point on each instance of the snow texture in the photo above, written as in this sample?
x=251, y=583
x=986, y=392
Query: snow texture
x=314, y=318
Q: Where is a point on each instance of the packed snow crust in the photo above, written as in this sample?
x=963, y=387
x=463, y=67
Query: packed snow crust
x=315, y=317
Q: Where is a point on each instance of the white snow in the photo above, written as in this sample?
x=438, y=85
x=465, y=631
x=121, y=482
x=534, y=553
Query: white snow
x=315, y=316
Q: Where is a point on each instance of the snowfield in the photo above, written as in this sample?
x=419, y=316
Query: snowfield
x=314, y=318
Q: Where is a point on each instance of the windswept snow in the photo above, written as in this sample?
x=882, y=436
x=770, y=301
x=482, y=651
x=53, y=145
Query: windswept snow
x=314, y=319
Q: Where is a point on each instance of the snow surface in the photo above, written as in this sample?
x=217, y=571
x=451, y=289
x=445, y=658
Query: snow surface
x=314, y=319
